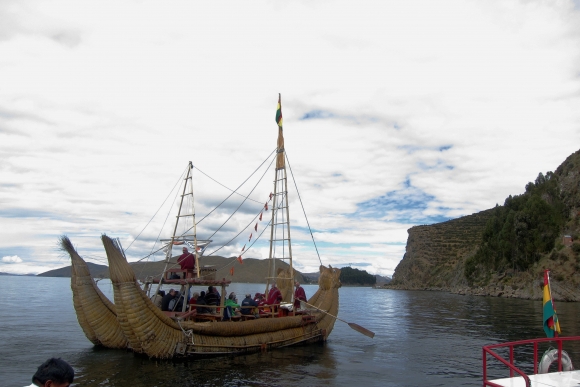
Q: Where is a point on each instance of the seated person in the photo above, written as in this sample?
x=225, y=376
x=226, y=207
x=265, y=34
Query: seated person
x=157, y=298
x=248, y=306
x=274, y=296
x=167, y=299
x=193, y=299
x=231, y=306
x=261, y=300
x=201, y=301
x=212, y=298
x=176, y=303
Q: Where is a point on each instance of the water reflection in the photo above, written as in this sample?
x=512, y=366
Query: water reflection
x=288, y=366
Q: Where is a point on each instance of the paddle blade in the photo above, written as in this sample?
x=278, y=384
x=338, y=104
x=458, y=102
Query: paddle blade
x=362, y=330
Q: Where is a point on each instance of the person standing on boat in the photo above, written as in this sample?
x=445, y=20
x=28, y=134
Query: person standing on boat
x=186, y=260
x=299, y=295
x=274, y=296
x=53, y=373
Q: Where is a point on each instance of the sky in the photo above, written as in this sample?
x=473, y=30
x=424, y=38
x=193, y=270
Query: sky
x=396, y=114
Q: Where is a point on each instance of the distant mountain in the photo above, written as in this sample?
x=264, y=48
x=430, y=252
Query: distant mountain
x=97, y=271
x=382, y=280
x=250, y=271
x=20, y=275
x=312, y=278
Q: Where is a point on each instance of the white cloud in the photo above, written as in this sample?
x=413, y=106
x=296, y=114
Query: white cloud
x=12, y=259
x=430, y=110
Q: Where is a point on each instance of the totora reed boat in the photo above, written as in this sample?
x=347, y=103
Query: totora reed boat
x=134, y=321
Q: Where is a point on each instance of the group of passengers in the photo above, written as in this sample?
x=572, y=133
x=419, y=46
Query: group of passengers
x=208, y=302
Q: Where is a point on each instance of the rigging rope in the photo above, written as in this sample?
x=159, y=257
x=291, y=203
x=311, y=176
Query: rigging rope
x=223, y=224
x=244, y=182
x=165, y=221
x=303, y=210
x=178, y=180
x=244, y=252
x=229, y=189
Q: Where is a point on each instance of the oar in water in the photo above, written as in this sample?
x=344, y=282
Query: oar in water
x=354, y=326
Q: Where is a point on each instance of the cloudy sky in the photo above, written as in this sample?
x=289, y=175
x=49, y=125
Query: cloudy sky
x=396, y=113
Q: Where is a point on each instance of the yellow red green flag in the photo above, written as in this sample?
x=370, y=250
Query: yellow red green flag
x=551, y=323
x=279, y=111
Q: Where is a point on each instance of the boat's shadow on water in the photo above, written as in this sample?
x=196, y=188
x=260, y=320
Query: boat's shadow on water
x=309, y=365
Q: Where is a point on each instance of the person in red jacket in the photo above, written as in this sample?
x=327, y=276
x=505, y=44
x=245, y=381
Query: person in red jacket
x=186, y=260
x=299, y=295
x=274, y=296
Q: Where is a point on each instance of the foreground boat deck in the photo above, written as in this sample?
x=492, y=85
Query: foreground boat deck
x=559, y=379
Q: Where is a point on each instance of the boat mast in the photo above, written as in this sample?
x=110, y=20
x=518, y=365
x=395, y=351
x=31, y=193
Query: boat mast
x=188, y=179
x=280, y=219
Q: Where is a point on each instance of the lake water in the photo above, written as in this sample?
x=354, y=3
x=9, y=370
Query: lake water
x=422, y=339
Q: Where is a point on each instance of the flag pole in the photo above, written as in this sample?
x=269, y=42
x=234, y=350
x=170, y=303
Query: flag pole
x=552, y=300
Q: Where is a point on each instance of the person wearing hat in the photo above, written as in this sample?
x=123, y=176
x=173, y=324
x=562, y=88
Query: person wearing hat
x=248, y=305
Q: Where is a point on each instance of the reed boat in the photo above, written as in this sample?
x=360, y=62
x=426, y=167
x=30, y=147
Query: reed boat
x=135, y=322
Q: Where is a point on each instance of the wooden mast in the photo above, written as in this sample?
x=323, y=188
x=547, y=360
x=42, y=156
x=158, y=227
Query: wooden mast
x=280, y=202
x=187, y=179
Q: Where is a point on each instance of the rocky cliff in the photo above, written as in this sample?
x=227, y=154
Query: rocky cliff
x=436, y=254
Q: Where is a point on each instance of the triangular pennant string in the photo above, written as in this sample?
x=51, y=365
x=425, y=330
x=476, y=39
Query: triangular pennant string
x=240, y=260
x=260, y=216
x=243, y=248
x=232, y=271
x=249, y=239
x=256, y=227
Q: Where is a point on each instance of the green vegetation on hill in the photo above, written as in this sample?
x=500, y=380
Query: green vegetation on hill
x=350, y=276
x=520, y=231
x=503, y=251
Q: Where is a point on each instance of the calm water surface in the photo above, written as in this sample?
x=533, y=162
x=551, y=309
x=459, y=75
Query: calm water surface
x=422, y=339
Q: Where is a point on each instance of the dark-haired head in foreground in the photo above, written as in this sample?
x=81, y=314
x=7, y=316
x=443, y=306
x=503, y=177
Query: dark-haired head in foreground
x=54, y=373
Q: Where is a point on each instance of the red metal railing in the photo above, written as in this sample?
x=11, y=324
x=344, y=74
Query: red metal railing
x=489, y=350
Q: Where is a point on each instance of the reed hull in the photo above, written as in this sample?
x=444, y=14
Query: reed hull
x=96, y=314
x=151, y=332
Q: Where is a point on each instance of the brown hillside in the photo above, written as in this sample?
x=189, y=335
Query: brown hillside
x=435, y=254
x=251, y=271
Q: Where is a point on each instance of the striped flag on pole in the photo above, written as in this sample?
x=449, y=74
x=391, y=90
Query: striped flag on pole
x=279, y=111
x=551, y=323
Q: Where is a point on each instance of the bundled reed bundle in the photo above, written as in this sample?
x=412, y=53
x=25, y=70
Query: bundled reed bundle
x=148, y=330
x=96, y=314
x=326, y=298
